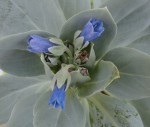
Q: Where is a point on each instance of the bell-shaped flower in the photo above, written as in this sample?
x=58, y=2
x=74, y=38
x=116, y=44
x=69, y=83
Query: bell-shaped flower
x=39, y=44
x=57, y=97
x=92, y=29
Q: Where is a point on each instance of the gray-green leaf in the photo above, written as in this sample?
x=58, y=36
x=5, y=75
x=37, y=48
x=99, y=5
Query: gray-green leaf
x=134, y=67
x=108, y=111
x=143, y=107
x=7, y=102
x=71, y=7
x=78, y=21
x=102, y=74
x=73, y=115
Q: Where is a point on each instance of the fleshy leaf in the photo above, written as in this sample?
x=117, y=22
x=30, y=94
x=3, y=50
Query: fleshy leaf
x=133, y=67
x=126, y=14
x=108, y=111
x=19, y=41
x=13, y=20
x=15, y=60
x=73, y=115
x=71, y=7
x=143, y=107
x=79, y=20
x=10, y=83
x=8, y=102
x=142, y=44
x=102, y=74
x=21, y=63
x=37, y=13
x=22, y=113
x=118, y=8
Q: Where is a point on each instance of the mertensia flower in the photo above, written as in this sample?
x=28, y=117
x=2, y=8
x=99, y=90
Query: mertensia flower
x=64, y=58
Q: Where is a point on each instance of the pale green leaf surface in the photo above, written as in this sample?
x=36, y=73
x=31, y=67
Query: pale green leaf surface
x=10, y=83
x=77, y=78
x=46, y=14
x=143, y=107
x=86, y=107
x=142, y=44
x=102, y=74
x=119, y=8
x=73, y=115
x=79, y=20
x=126, y=14
x=7, y=102
x=25, y=15
x=19, y=41
x=114, y=113
x=71, y=7
x=132, y=26
x=13, y=20
x=133, y=67
x=21, y=63
x=22, y=113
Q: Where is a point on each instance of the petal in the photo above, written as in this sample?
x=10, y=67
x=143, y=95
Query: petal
x=87, y=29
x=39, y=45
x=92, y=36
x=99, y=26
x=38, y=37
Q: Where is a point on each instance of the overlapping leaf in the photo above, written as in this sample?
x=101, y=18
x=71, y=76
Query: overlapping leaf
x=133, y=67
x=102, y=74
x=107, y=111
x=78, y=21
x=73, y=115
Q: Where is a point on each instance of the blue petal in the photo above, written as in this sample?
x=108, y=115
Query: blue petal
x=92, y=36
x=40, y=45
x=57, y=97
x=92, y=29
x=87, y=29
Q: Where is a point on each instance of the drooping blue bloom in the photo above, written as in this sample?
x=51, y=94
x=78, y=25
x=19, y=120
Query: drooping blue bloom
x=39, y=44
x=57, y=98
x=92, y=29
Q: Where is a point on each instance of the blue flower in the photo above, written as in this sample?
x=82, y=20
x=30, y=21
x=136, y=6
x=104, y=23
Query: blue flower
x=92, y=29
x=57, y=97
x=39, y=44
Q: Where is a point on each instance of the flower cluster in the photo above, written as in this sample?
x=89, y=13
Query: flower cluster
x=65, y=57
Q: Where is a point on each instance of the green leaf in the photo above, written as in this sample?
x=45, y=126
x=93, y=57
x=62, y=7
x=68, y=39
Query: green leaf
x=16, y=61
x=77, y=78
x=71, y=7
x=86, y=107
x=126, y=14
x=102, y=74
x=143, y=107
x=19, y=41
x=22, y=113
x=134, y=67
x=21, y=63
x=11, y=83
x=108, y=111
x=13, y=20
x=8, y=102
x=119, y=8
x=79, y=20
x=19, y=16
x=73, y=115
x=142, y=44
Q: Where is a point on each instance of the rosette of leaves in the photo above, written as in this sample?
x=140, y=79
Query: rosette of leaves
x=117, y=94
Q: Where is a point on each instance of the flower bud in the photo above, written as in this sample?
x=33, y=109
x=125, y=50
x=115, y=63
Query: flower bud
x=39, y=44
x=57, y=97
x=92, y=29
